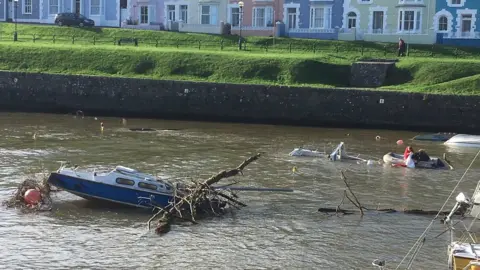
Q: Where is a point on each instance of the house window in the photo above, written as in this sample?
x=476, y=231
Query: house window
x=53, y=7
x=184, y=13
x=443, y=24
x=466, y=24
x=208, y=15
x=352, y=20
x=292, y=18
x=378, y=21
x=124, y=181
x=144, y=15
x=456, y=2
x=409, y=20
x=171, y=12
x=235, y=16
x=94, y=7
x=27, y=7
x=320, y=17
x=147, y=186
x=263, y=17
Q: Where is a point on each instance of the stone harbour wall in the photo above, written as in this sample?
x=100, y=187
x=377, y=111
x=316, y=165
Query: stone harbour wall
x=126, y=97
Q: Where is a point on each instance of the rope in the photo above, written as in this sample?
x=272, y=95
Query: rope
x=422, y=237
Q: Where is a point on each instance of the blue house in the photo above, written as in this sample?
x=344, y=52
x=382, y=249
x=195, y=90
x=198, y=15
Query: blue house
x=313, y=18
x=103, y=12
x=455, y=22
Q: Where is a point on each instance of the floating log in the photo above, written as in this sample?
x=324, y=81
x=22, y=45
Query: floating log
x=330, y=210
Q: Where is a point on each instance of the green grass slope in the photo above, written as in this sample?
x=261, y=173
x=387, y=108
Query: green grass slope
x=172, y=64
x=326, y=68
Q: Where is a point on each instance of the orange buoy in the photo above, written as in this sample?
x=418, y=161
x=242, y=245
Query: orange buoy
x=32, y=196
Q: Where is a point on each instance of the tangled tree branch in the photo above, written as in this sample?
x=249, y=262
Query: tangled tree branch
x=196, y=198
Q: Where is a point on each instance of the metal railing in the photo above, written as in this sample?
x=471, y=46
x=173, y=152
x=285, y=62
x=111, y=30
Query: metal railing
x=264, y=45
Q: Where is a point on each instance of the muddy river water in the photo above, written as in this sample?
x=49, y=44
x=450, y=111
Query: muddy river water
x=275, y=231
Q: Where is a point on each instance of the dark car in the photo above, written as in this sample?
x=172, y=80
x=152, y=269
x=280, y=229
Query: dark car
x=73, y=19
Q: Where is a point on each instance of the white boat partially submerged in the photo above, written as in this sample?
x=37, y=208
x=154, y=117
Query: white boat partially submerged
x=464, y=140
x=338, y=153
x=301, y=152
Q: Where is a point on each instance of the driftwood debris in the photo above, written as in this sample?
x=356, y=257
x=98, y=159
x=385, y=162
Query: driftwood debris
x=361, y=209
x=198, y=198
x=18, y=198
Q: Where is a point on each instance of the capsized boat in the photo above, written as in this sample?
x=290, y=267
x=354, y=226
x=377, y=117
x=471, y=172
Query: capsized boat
x=432, y=163
x=122, y=185
x=464, y=140
x=338, y=153
x=301, y=152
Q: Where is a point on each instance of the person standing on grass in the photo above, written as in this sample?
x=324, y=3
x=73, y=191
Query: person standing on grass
x=401, y=47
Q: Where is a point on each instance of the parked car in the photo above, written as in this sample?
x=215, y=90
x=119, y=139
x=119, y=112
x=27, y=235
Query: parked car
x=73, y=19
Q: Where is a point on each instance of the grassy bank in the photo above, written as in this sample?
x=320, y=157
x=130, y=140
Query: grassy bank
x=189, y=57
x=414, y=75
x=28, y=33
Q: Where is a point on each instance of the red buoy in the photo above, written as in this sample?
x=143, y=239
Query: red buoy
x=32, y=196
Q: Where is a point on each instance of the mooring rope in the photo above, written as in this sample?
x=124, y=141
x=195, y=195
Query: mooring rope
x=421, y=239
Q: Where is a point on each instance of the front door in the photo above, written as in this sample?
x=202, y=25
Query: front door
x=292, y=18
x=378, y=21
x=78, y=6
x=11, y=10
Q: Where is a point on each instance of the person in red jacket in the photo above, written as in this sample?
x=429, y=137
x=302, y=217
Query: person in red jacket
x=407, y=152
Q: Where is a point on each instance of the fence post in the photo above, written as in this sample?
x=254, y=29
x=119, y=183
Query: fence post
x=290, y=47
x=408, y=49
x=53, y=39
x=314, y=48
x=156, y=43
x=362, y=49
x=266, y=48
x=337, y=49
x=34, y=38
x=384, y=50
x=73, y=39
x=199, y=44
x=433, y=50
x=221, y=45
x=178, y=43
x=94, y=38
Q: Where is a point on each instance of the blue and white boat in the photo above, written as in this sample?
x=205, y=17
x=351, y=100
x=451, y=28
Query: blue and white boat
x=122, y=185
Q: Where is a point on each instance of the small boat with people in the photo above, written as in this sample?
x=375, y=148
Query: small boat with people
x=122, y=185
x=464, y=140
x=411, y=159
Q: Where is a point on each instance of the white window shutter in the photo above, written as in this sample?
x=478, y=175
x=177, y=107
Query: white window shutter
x=269, y=16
x=213, y=15
x=150, y=13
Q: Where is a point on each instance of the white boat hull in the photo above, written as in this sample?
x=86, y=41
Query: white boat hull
x=464, y=140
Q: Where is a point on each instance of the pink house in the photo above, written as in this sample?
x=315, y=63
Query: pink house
x=144, y=14
x=256, y=18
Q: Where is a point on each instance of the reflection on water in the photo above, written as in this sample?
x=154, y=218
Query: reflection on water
x=276, y=230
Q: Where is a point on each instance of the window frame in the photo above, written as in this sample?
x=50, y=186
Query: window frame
x=148, y=186
x=125, y=179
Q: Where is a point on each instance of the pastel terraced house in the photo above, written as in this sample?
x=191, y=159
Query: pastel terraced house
x=389, y=20
x=201, y=16
x=313, y=18
x=255, y=18
x=103, y=12
x=456, y=22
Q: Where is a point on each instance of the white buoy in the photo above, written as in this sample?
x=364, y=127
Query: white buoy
x=370, y=162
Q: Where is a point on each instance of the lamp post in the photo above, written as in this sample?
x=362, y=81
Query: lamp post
x=15, y=35
x=240, y=5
